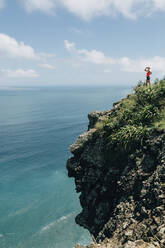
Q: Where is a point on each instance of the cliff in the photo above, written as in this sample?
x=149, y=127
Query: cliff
x=119, y=169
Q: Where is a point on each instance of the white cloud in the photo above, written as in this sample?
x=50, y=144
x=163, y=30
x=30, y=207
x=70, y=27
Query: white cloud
x=19, y=73
x=9, y=47
x=138, y=65
x=128, y=8
x=48, y=66
x=69, y=46
x=94, y=56
x=159, y=4
x=123, y=63
x=88, y=9
x=46, y=6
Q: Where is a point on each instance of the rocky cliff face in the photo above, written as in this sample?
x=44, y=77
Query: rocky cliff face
x=122, y=193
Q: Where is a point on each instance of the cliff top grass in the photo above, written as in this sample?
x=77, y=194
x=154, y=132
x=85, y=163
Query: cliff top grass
x=136, y=117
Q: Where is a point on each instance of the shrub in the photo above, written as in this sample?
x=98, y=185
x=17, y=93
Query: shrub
x=146, y=115
x=128, y=138
x=150, y=95
x=135, y=118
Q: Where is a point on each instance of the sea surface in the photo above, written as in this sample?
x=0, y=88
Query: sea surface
x=38, y=202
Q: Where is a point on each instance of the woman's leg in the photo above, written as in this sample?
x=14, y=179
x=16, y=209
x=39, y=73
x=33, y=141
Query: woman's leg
x=148, y=82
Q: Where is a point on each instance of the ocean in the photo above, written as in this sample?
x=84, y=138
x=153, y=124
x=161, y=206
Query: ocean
x=38, y=202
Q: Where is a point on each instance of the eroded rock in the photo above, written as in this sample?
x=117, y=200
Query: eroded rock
x=122, y=199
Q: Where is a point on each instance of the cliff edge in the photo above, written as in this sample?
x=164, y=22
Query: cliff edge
x=119, y=169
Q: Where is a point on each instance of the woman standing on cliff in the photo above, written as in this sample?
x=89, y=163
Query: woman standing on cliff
x=147, y=69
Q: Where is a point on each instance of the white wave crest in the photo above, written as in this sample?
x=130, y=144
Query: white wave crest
x=61, y=219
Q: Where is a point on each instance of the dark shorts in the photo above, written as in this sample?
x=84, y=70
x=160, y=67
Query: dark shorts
x=148, y=78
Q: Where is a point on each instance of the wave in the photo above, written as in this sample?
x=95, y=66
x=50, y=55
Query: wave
x=52, y=224
x=24, y=210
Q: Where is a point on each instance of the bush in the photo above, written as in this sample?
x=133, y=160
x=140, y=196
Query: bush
x=135, y=118
x=146, y=115
x=150, y=95
x=128, y=138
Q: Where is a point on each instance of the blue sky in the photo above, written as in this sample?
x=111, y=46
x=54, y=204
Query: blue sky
x=80, y=42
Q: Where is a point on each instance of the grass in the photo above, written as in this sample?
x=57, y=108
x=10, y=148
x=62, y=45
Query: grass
x=160, y=124
x=128, y=138
x=163, y=185
x=136, y=117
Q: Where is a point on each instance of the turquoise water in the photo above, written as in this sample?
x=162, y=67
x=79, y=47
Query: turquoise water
x=38, y=202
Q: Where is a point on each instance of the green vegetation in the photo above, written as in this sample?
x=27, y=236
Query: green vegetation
x=135, y=118
x=162, y=185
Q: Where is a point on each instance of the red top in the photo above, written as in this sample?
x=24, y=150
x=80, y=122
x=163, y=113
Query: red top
x=148, y=73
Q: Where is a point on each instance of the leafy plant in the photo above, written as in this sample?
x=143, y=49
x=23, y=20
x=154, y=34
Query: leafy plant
x=135, y=118
x=128, y=138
